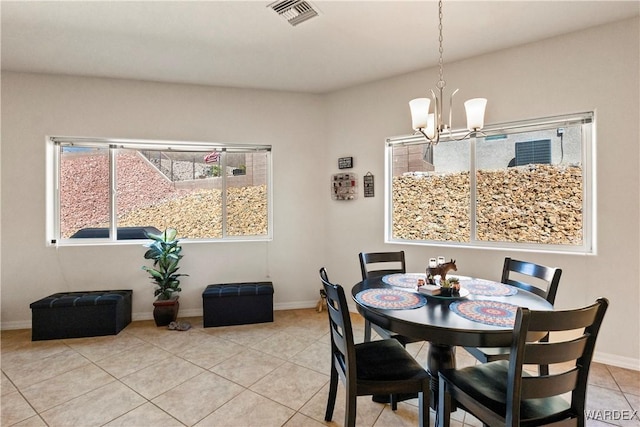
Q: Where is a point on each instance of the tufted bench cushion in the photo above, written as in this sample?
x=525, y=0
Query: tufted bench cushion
x=237, y=303
x=80, y=314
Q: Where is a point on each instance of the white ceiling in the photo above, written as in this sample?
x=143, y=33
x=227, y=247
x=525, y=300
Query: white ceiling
x=246, y=44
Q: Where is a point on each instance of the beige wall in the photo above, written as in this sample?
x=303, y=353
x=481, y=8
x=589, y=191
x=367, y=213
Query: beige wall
x=597, y=69
x=34, y=106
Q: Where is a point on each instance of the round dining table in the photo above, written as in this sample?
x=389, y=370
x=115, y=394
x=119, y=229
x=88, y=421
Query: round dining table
x=481, y=315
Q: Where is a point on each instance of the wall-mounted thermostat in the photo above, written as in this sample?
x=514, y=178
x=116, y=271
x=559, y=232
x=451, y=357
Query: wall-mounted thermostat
x=344, y=186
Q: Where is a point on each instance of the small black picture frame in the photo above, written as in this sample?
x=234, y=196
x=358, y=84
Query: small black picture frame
x=369, y=190
x=345, y=162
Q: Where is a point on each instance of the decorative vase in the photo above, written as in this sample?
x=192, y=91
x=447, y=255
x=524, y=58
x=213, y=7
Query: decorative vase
x=166, y=311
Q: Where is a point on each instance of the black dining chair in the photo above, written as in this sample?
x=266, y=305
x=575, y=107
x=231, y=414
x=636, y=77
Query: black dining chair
x=549, y=278
x=376, y=264
x=502, y=393
x=378, y=367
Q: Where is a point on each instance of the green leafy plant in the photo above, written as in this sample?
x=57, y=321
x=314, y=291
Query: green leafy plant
x=451, y=282
x=165, y=251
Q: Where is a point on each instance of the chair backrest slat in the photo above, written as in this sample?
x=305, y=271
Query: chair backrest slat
x=375, y=264
x=337, y=329
x=542, y=293
x=554, y=352
x=552, y=385
x=549, y=275
x=531, y=269
x=564, y=320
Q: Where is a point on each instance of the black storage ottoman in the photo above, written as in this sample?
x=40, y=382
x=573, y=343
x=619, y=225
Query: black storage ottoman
x=80, y=314
x=237, y=304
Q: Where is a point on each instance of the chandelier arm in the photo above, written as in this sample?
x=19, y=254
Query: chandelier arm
x=451, y=107
x=432, y=141
x=436, y=139
x=474, y=133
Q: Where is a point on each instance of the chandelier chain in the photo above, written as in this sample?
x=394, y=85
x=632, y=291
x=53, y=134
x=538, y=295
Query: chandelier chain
x=441, y=82
x=432, y=125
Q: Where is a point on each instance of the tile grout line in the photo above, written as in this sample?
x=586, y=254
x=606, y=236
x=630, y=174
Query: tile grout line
x=284, y=325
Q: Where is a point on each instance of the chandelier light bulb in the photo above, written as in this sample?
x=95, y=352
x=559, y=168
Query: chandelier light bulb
x=475, y=113
x=419, y=112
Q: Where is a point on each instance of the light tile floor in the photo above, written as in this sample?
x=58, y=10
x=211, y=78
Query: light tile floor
x=270, y=374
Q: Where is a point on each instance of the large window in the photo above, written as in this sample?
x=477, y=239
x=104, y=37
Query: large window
x=522, y=185
x=103, y=191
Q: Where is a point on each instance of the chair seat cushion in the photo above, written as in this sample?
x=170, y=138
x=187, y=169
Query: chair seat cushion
x=386, y=360
x=487, y=384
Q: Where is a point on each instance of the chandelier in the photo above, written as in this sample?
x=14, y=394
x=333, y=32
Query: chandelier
x=431, y=125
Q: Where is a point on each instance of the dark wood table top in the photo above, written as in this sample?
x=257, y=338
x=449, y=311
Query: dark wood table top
x=437, y=323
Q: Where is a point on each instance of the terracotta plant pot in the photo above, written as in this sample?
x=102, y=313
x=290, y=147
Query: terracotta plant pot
x=165, y=311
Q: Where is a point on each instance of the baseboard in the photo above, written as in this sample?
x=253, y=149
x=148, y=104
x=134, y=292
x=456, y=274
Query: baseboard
x=18, y=324
x=618, y=361
x=197, y=312
x=599, y=357
x=148, y=315
x=295, y=305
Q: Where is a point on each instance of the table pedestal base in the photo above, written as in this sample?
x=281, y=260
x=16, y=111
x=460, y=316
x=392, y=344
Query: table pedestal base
x=439, y=357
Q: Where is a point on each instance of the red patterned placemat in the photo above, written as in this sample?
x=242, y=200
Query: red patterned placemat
x=488, y=288
x=403, y=280
x=392, y=299
x=492, y=313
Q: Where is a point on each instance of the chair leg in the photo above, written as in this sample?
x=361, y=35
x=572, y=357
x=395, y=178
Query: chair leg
x=543, y=369
x=393, y=399
x=423, y=408
x=367, y=330
x=350, y=411
x=333, y=392
x=444, y=405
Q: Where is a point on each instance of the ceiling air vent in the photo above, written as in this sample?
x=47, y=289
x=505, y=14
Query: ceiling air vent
x=294, y=11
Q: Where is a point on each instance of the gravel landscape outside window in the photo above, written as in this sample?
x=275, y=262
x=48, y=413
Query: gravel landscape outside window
x=542, y=202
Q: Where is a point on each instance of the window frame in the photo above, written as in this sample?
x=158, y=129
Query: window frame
x=54, y=146
x=588, y=160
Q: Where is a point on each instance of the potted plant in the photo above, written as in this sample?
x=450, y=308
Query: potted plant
x=165, y=251
x=455, y=284
x=446, y=290
x=450, y=287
